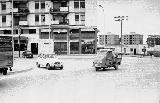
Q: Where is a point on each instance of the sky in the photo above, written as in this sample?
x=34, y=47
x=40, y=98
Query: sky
x=143, y=16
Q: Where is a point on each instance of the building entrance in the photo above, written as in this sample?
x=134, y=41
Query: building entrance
x=34, y=48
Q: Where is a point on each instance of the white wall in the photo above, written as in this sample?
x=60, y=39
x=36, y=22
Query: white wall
x=90, y=12
x=31, y=19
x=8, y=20
x=31, y=6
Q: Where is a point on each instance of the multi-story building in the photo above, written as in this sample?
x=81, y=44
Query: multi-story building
x=60, y=26
x=112, y=39
x=153, y=40
x=101, y=40
x=132, y=39
x=108, y=39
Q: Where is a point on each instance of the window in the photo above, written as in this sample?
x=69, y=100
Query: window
x=36, y=18
x=42, y=18
x=82, y=17
x=79, y=3
x=82, y=4
x=131, y=49
x=3, y=19
x=76, y=4
x=36, y=5
x=3, y=6
x=32, y=31
x=76, y=17
x=44, y=35
x=42, y=5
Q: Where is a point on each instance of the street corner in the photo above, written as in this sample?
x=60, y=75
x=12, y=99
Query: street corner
x=17, y=71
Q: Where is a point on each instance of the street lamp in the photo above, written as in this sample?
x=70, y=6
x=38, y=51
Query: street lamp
x=104, y=26
x=12, y=32
x=19, y=41
x=121, y=19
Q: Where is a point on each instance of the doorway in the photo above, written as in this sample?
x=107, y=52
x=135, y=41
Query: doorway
x=34, y=48
x=135, y=51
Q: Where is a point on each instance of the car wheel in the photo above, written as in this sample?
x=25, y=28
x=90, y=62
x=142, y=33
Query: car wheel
x=116, y=66
x=4, y=72
x=97, y=68
x=104, y=68
x=38, y=65
x=61, y=68
x=48, y=66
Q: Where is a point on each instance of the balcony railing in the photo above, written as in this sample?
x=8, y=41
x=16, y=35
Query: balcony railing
x=23, y=23
x=60, y=10
x=20, y=11
x=60, y=22
x=59, y=0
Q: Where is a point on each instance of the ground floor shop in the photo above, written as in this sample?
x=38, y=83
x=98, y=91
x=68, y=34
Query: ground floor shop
x=59, y=40
x=69, y=40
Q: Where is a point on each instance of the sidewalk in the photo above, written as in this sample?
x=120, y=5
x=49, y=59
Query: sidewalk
x=22, y=65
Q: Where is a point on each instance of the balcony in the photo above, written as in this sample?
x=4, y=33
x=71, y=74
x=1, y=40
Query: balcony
x=60, y=22
x=23, y=23
x=20, y=1
x=60, y=0
x=20, y=11
x=60, y=10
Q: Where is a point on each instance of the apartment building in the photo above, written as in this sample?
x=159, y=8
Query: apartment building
x=112, y=39
x=132, y=39
x=59, y=26
x=108, y=39
x=101, y=40
x=153, y=40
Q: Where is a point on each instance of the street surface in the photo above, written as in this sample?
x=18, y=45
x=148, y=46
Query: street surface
x=136, y=81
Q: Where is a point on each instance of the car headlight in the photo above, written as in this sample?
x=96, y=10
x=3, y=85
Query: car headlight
x=100, y=62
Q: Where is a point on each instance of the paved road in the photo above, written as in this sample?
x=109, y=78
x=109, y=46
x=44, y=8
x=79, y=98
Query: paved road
x=136, y=81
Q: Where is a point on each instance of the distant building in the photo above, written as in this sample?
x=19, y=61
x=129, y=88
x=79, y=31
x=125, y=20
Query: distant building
x=132, y=39
x=101, y=40
x=112, y=39
x=153, y=40
x=108, y=39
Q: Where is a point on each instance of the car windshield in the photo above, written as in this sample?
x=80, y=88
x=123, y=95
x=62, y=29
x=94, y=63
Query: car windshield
x=50, y=56
x=28, y=52
x=47, y=56
x=101, y=54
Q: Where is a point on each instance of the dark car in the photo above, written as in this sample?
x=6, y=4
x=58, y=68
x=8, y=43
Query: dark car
x=27, y=54
x=102, y=62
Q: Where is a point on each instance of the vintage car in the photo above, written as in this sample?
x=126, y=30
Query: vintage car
x=27, y=54
x=101, y=62
x=49, y=61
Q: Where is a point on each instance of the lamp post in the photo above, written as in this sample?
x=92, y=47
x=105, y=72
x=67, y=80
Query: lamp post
x=121, y=19
x=104, y=26
x=19, y=41
x=12, y=32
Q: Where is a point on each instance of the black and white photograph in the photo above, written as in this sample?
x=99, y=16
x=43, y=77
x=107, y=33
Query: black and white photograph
x=79, y=51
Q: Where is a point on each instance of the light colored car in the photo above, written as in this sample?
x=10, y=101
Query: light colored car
x=49, y=61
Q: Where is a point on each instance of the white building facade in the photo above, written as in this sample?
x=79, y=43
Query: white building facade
x=64, y=26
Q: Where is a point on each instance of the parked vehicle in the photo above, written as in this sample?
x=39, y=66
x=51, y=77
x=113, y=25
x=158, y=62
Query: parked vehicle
x=101, y=62
x=49, y=61
x=6, y=54
x=27, y=54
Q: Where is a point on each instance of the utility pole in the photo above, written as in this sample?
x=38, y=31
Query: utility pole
x=104, y=25
x=121, y=19
x=19, y=40
x=12, y=32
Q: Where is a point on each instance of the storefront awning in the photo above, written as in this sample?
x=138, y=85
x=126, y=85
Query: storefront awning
x=54, y=30
x=87, y=29
x=60, y=30
x=21, y=37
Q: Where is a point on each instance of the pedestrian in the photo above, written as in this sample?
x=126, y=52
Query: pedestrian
x=151, y=53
